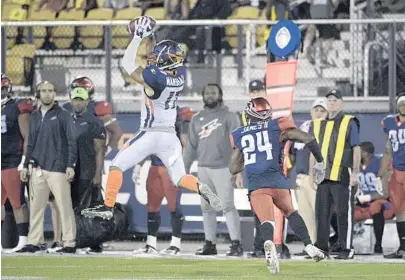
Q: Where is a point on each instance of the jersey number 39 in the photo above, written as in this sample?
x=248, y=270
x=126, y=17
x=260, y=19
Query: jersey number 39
x=397, y=138
x=258, y=142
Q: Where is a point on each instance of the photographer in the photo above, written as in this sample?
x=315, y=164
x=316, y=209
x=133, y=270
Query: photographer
x=52, y=152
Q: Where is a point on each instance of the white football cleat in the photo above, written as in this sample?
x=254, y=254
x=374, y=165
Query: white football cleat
x=209, y=196
x=271, y=257
x=172, y=250
x=146, y=250
x=101, y=211
x=314, y=252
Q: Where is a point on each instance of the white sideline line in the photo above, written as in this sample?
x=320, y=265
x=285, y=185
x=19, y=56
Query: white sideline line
x=21, y=277
x=217, y=265
x=190, y=256
x=340, y=276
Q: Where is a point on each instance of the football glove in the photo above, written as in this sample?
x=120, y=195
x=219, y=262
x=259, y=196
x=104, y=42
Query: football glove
x=144, y=26
x=319, y=172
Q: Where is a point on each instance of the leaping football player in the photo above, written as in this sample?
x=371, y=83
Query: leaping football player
x=394, y=127
x=163, y=80
x=159, y=186
x=258, y=147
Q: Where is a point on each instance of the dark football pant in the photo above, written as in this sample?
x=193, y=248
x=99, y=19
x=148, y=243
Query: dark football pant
x=329, y=193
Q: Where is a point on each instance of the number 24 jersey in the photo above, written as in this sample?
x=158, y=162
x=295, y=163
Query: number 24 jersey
x=262, y=151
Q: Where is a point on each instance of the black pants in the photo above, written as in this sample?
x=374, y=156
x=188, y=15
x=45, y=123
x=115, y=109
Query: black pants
x=78, y=188
x=331, y=193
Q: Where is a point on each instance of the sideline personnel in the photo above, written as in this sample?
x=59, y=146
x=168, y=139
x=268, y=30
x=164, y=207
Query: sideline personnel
x=52, y=151
x=209, y=142
x=91, y=137
x=101, y=109
x=91, y=140
x=305, y=186
x=338, y=137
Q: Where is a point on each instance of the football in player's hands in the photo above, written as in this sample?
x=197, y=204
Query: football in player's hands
x=141, y=26
x=131, y=26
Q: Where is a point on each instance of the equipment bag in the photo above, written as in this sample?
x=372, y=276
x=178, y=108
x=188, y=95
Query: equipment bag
x=94, y=231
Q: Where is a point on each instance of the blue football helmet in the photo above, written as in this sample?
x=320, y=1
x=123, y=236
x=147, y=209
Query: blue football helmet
x=167, y=55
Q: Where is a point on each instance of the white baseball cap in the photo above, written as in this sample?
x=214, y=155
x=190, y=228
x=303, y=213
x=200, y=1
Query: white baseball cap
x=319, y=102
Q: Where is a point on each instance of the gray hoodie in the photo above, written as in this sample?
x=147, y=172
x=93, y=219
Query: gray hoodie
x=208, y=137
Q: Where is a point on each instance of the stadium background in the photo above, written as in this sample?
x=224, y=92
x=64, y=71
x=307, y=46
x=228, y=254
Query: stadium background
x=366, y=62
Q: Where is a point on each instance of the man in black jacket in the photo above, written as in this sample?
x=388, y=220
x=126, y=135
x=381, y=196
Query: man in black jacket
x=52, y=151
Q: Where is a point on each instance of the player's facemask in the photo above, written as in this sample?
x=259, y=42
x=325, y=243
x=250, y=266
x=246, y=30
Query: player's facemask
x=258, y=110
x=168, y=55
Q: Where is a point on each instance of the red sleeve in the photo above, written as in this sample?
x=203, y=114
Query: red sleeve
x=25, y=106
x=103, y=108
x=285, y=123
x=186, y=113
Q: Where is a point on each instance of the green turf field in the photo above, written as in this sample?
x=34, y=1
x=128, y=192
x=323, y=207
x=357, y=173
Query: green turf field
x=162, y=268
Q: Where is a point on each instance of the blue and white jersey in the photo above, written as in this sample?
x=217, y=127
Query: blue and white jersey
x=159, y=110
x=368, y=176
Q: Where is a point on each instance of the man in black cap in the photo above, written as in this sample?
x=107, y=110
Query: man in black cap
x=256, y=86
x=338, y=137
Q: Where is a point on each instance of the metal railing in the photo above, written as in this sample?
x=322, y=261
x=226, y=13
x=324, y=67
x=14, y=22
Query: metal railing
x=249, y=60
